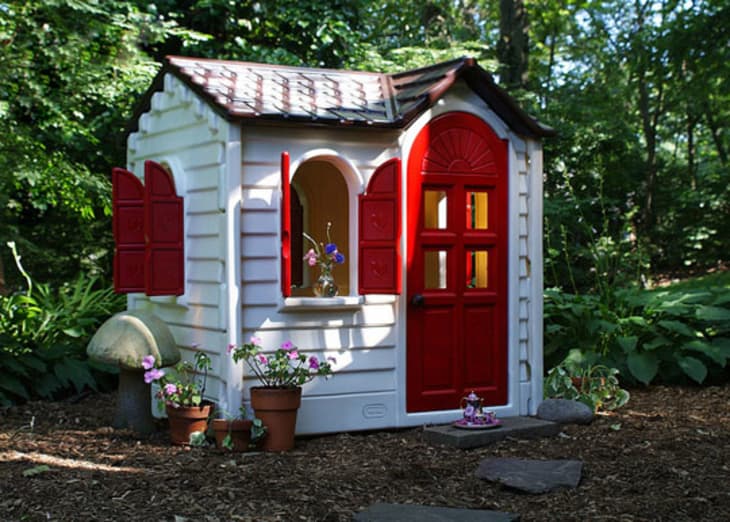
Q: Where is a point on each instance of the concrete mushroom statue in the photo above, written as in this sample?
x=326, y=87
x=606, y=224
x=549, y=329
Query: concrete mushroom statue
x=124, y=340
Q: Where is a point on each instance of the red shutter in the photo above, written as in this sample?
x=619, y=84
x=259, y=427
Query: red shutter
x=165, y=263
x=380, y=230
x=128, y=227
x=285, y=226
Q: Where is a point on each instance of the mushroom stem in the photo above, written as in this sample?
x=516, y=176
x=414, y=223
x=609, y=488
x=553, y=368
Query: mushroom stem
x=133, y=403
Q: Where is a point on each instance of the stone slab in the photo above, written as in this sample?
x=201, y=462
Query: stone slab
x=531, y=476
x=383, y=512
x=515, y=427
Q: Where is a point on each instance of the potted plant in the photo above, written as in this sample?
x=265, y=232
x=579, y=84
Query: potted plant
x=326, y=256
x=277, y=399
x=182, y=396
x=237, y=433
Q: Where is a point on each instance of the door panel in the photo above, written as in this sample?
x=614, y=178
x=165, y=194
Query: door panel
x=457, y=271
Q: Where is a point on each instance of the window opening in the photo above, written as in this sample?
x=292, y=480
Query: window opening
x=321, y=197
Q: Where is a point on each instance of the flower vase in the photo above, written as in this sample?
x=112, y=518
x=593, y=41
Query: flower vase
x=186, y=420
x=325, y=285
x=277, y=409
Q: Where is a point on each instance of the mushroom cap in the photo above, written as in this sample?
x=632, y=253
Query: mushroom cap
x=127, y=337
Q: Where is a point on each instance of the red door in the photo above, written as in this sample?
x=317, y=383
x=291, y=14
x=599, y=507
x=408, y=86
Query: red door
x=457, y=264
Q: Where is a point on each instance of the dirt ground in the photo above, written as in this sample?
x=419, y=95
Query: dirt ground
x=664, y=456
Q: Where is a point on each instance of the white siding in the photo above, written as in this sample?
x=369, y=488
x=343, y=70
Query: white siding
x=191, y=139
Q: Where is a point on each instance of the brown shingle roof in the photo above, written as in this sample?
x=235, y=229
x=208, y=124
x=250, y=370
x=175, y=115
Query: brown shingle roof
x=243, y=90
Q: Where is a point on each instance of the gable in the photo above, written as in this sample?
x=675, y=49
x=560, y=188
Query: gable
x=283, y=94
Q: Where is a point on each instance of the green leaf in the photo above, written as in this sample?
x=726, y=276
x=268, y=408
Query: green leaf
x=36, y=470
x=694, y=368
x=197, y=438
x=678, y=327
x=643, y=365
x=627, y=343
x=717, y=352
x=657, y=342
x=74, y=372
x=73, y=332
x=712, y=313
x=47, y=385
x=10, y=383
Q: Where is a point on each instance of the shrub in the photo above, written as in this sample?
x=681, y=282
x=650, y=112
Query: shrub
x=43, y=338
x=667, y=336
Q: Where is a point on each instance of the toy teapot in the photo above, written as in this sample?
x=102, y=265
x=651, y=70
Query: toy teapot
x=472, y=406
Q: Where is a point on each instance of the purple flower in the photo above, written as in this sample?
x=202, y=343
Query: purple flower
x=288, y=345
x=313, y=363
x=330, y=248
x=231, y=347
x=170, y=389
x=339, y=258
x=153, y=375
x=148, y=362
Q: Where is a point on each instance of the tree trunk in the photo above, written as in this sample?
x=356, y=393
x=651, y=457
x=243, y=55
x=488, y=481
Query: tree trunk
x=512, y=49
x=714, y=129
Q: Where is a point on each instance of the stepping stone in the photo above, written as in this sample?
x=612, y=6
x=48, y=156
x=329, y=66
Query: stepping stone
x=532, y=476
x=382, y=512
x=565, y=411
x=514, y=427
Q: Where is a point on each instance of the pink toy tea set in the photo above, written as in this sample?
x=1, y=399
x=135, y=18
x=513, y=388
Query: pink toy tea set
x=474, y=416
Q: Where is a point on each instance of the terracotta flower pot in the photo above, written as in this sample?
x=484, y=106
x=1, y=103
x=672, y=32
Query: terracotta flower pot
x=277, y=408
x=240, y=430
x=186, y=420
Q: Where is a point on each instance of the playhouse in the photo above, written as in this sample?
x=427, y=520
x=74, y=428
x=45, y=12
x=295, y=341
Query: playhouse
x=432, y=182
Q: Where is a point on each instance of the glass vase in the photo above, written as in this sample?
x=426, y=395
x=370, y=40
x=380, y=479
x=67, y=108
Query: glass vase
x=325, y=285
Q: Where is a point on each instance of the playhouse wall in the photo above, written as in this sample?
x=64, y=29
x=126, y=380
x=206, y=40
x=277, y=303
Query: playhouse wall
x=182, y=132
x=359, y=331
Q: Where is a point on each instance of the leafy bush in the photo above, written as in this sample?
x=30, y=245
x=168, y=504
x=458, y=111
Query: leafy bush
x=43, y=338
x=667, y=335
x=596, y=386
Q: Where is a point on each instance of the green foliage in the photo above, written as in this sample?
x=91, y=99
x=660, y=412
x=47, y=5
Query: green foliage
x=668, y=335
x=596, y=386
x=43, y=338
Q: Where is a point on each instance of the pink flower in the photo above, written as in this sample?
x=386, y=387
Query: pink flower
x=256, y=341
x=313, y=363
x=148, y=362
x=293, y=354
x=153, y=375
x=288, y=345
x=262, y=359
x=311, y=257
x=231, y=347
x=170, y=389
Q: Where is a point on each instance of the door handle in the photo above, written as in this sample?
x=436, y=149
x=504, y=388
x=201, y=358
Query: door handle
x=418, y=300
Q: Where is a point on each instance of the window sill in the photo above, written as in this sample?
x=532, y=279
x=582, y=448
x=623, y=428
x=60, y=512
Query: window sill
x=314, y=304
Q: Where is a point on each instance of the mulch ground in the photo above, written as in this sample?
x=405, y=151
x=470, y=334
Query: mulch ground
x=664, y=456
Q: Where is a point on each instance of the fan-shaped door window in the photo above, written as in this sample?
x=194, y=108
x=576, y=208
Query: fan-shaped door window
x=319, y=196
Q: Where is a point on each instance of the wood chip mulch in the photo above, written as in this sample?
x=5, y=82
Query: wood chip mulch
x=664, y=456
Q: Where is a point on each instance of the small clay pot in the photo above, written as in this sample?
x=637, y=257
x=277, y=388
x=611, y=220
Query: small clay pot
x=240, y=430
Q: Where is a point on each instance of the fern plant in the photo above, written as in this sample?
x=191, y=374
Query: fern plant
x=43, y=337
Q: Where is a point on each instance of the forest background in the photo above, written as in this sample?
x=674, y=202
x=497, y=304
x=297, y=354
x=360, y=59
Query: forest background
x=636, y=180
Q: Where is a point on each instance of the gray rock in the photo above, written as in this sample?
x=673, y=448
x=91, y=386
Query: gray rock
x=565, y=411
x=532, y=476
x=382, y=512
